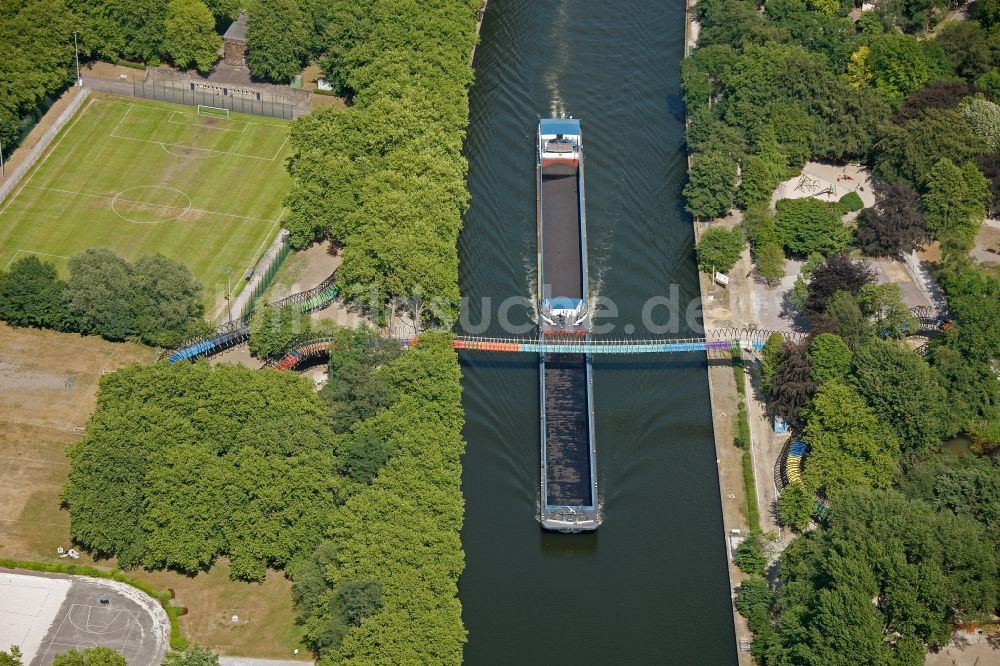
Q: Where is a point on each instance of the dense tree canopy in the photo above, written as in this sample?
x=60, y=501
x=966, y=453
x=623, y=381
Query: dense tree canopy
x=386, y=177
x=395, y=555
x=849, y=444
x=904, y=392
x=36, y=39
x=182, y=463
x=154, y=300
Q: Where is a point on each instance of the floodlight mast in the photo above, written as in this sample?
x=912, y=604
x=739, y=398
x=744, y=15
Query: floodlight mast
x=76, y=50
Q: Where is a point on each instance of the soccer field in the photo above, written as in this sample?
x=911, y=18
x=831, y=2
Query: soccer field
x=145, y=177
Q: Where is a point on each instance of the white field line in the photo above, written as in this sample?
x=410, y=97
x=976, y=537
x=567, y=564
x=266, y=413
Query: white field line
x=203, y=125
x=143, y=203
x=66, y=130
x=164, y=145
x=138, y=104
x=44, y=254
x=204, y=150
x=253, y=261
x=122, y=119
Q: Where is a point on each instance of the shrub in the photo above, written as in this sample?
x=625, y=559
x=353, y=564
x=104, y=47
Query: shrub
x=851, y=202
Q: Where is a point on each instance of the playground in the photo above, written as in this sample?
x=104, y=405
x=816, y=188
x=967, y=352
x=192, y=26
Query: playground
x=45, y=401
x=195, y=184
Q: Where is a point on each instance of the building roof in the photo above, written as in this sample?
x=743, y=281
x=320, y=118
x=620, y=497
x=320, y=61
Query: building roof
x=237, y=30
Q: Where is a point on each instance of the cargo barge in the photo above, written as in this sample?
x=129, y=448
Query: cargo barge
x=569, y=501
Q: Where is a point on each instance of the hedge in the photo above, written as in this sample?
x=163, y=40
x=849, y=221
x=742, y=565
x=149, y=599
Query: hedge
x=177, y=640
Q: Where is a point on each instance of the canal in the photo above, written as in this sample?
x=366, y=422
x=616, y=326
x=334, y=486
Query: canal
x=649, y=587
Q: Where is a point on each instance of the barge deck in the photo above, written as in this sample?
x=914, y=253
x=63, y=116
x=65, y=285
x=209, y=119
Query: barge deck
x=569, y=499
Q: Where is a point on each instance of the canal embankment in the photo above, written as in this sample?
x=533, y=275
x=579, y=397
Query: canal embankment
x=726, y=399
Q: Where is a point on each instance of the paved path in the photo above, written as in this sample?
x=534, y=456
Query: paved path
x=250, y=661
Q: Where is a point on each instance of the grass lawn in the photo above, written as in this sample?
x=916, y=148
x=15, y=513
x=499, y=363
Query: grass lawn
x=146, y=177
x=48, y=384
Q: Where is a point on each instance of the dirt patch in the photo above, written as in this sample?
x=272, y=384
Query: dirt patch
x=40, y=410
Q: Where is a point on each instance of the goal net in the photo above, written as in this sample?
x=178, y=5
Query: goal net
x=215, y=111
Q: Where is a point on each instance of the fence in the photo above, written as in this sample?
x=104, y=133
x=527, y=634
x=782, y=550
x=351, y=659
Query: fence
x=273, y=261
x=15, y=175
x=234, y=98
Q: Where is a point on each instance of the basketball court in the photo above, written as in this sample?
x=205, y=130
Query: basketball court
x=47, y=615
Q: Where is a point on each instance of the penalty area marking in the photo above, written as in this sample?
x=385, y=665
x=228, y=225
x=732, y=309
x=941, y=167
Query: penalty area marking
x=166, y=146
x=44, y=254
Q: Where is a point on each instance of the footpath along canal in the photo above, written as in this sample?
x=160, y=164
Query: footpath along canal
x=650, y=586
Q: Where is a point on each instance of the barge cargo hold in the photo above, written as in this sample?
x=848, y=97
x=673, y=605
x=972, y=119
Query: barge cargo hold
x=569, y=501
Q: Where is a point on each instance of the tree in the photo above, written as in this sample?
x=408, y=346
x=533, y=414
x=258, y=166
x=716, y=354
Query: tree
x=849, y=446
x=757, y=182
x=990, y=83
x=719, y=249
x=11, y=657
x=750, y=556
x=989, y=166
x=933, y=98
x=848, y=321
x=95, y=656
x=984, y=117
x=831, y=358
x=898, y=65
x=277, y=39
x=851, y=202
x=189, y=35
x=358, y=599
x=859, y=69
x=357, y=390
x=770, y=263
x=31, y=294
x=711, y=186
x=272, y=330
x=167, y=300
x=795, y=506
x=905, y=393
x=187, y=462
x=770, y=358
x=955, y=201
x=99, y=293
x=726, y=21
x=894, y=226
x=884, y=304
x=792, y=387
x=967, y=47
x=810, y=225
x=837, y=273
x=194, y=655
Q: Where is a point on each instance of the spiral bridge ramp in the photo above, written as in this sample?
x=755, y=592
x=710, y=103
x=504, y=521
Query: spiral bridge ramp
x=237, y=332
